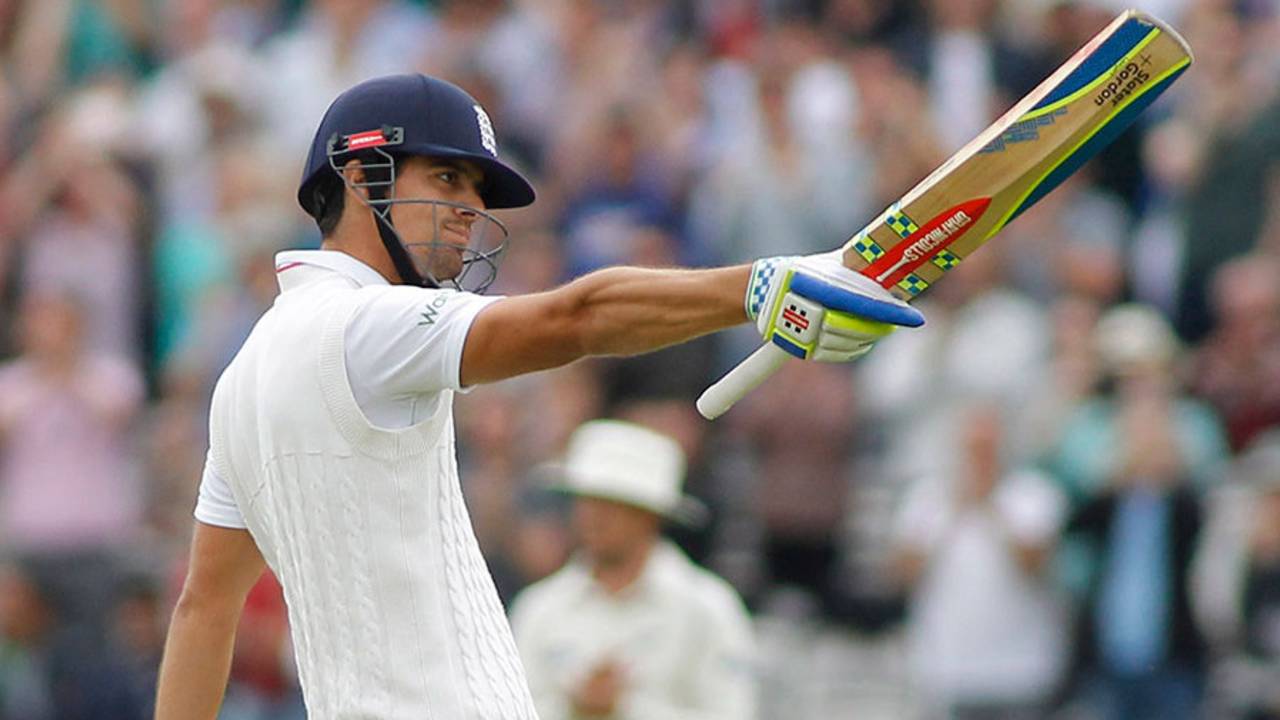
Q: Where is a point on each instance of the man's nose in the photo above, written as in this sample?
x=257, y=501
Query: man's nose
x=466, y=215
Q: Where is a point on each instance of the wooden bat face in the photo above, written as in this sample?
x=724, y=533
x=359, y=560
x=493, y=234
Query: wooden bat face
x=1030, y=150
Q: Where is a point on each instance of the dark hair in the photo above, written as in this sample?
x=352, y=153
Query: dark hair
x=330, y=195
x=331, y=192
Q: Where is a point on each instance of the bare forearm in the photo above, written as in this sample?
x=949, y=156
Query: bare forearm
x=633, y=310
x=617, y=311
x=197, y=662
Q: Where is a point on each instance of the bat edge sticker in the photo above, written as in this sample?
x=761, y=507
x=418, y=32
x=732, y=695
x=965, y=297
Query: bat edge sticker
x=1130, y=32
x=1091, y=144
x=1046, y=107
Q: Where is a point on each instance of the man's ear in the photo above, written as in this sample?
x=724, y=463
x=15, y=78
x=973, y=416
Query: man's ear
x=353, y=172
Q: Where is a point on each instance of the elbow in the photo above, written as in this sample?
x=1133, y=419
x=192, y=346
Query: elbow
x=207, y=606
x=190, y=607
x=612, y=317
x=574, y=319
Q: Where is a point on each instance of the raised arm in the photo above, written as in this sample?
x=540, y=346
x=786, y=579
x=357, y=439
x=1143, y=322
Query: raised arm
x=812, y=307
x=225, y=565
x=616, y=311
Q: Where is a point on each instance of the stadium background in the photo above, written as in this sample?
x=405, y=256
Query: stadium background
x=149, y=150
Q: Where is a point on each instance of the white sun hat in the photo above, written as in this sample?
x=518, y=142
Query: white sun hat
x=630, y=464
x=1134, y=335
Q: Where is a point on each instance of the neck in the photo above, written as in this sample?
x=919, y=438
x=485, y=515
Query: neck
x=370, y=253
x=616, y=573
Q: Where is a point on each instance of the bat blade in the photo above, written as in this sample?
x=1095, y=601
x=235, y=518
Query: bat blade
x=1031, y=149
x=1039, y=142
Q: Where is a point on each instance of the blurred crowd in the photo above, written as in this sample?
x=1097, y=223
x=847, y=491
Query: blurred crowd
x=1060, y=498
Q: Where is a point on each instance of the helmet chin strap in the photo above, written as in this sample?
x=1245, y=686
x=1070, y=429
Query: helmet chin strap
x=409, y=274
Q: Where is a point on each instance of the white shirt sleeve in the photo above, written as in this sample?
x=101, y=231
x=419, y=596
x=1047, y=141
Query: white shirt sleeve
x=215, y=504
x=407, y=341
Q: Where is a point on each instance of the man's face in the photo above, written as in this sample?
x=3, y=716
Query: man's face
x=609, y=532
x=422, y=224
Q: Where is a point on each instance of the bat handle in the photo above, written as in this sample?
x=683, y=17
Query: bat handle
x=742, y=379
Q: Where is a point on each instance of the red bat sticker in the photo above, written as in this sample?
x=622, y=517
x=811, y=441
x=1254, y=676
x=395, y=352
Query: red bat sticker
x=932, y=238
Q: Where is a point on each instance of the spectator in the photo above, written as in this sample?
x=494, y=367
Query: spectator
x=460, y=35
x=1171, y=155
x=1138, y=354
x=771, y=183
x=334, y=45
x=1138, y=649
x=201, y=105
x=135, y=644
x=49, y=671
x=676, y=417
x=630, y=628
x=1236, y=117
x=986, y=634
x=70, y=197
x=27, y=616
x=1248, y=678
x=1237, y=368
x=803, y=472
x=625, y=194
x=985, y=338
x=520, y=52
x=210, y=285
x=971, y=73
x=68, y=492
x=683, y=131
x=604, y=59
x=1072, y=373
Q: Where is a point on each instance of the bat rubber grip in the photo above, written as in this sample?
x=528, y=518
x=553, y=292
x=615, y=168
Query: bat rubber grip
x=742, y=379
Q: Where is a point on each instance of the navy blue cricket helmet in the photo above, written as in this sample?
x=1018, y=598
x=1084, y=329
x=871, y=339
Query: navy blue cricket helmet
x=414, y=115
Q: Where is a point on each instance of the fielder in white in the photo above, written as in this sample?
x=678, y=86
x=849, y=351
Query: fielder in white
x=630, y=628
x=331, y=450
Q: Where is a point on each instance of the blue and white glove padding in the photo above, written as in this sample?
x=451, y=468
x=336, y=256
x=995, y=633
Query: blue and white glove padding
x=815, y=308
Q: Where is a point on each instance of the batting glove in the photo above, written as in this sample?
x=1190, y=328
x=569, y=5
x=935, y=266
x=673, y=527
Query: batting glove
x=815, y=308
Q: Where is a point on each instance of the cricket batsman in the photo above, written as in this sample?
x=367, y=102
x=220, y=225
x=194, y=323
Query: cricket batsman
x=331, y=443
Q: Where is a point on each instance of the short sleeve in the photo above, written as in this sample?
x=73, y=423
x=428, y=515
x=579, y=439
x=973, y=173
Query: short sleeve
x=215, y=504
x=406, y=341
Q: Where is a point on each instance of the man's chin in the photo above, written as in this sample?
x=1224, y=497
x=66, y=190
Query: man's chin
x=441, y=264
x=446, y=271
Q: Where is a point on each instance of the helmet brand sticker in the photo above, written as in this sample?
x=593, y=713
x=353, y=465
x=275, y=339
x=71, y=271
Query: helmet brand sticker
x=367, y=139
x=487, y=138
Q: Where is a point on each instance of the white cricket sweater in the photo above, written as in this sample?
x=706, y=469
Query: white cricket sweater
x=393, y=613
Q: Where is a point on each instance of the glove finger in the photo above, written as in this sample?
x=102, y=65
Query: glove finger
x=852, y=326
x=825, y=355
x=838, y=343
x=833, y=297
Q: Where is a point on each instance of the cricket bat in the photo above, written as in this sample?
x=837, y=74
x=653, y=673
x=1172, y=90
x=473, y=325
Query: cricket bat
x=1078, y=110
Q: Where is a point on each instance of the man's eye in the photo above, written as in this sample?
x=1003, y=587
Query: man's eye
x=449, y=177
